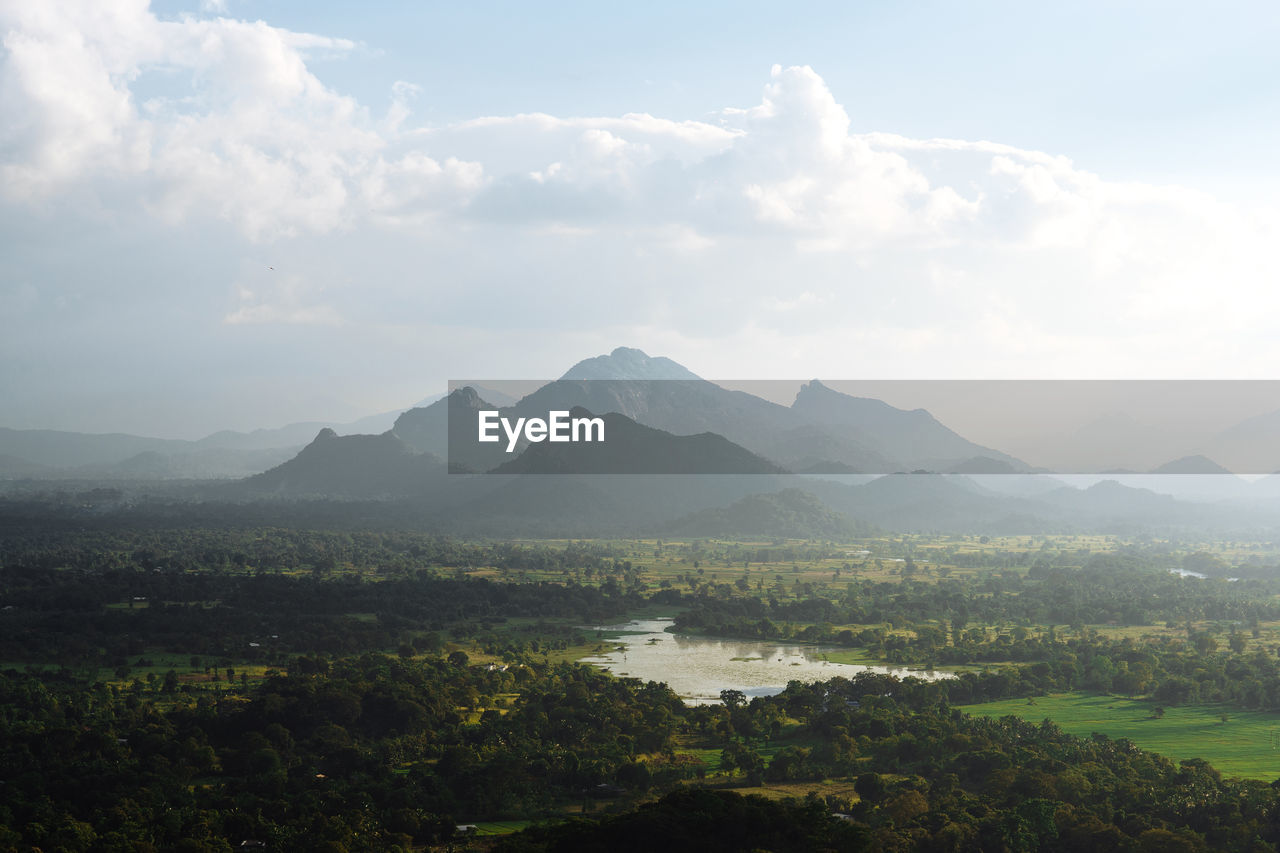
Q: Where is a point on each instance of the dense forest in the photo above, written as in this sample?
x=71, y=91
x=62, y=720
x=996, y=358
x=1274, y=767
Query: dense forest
x=176, y=687
x=375, y=752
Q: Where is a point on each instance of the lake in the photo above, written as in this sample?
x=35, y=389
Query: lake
x=1187, y=573
x=698, y=668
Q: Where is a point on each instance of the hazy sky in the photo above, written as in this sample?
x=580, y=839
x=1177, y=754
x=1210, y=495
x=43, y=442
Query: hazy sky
x=240, y=214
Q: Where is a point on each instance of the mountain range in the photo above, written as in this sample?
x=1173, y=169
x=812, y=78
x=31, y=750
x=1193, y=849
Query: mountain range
x=816, y=465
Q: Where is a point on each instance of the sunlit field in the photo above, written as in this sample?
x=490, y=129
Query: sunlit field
x=1236, y=742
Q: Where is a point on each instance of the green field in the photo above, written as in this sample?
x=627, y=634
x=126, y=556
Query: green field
x=1246, y=745
x=500, y=827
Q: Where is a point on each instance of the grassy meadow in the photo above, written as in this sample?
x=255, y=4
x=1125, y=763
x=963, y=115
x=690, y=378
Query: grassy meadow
x=1246, y=744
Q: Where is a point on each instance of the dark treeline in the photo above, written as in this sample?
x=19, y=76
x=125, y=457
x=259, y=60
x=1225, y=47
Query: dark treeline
x=1172, y=674
x=696, y=820
x=48, y=545
x=102, y=618
x=1103, y=592
x=379, y=753
x=189, y=505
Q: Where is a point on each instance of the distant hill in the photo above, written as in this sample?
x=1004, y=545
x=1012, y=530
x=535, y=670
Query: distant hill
x=425, y=428
x=813, y=465
x=295, y=435
x=57, y=454
x=917, y=502
x=53, y=454
x=209, y=463
x=493, y=396
x=632, y=448
x=299, y=434
x=428, y=430
x=1109, y=496
x=948, y=502
x=823, y=449
x=58, y=449
x=353, y=466
x=1016, y=485
x=1250, y=447
x=909, y=439
x=790, y=514
x=561, y=505
x=1191, y=465
x=984, y=465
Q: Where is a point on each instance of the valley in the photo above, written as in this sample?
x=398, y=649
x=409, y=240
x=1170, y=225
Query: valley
x=398, y=641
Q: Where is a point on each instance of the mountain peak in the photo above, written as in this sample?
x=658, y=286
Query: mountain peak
x=628, y=363
x=814, y=393
x=325, y=434
x=1191, y=465
x=466, y=396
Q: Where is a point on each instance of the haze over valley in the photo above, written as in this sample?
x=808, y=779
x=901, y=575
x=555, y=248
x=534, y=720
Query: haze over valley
x=663, y=420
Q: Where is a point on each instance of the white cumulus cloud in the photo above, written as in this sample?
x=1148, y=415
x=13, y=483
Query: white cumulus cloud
x=783, y=221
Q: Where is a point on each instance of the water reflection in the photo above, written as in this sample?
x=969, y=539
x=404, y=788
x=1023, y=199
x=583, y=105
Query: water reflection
x=698, y=668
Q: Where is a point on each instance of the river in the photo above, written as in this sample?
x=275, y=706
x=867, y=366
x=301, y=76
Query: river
x=698, y=668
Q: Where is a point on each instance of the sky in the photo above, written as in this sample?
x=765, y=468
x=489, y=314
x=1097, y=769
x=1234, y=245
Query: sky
x=237, y=214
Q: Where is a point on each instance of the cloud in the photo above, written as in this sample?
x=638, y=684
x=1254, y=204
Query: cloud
x=289, y=302
x=776, y=238
x=256, y=139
